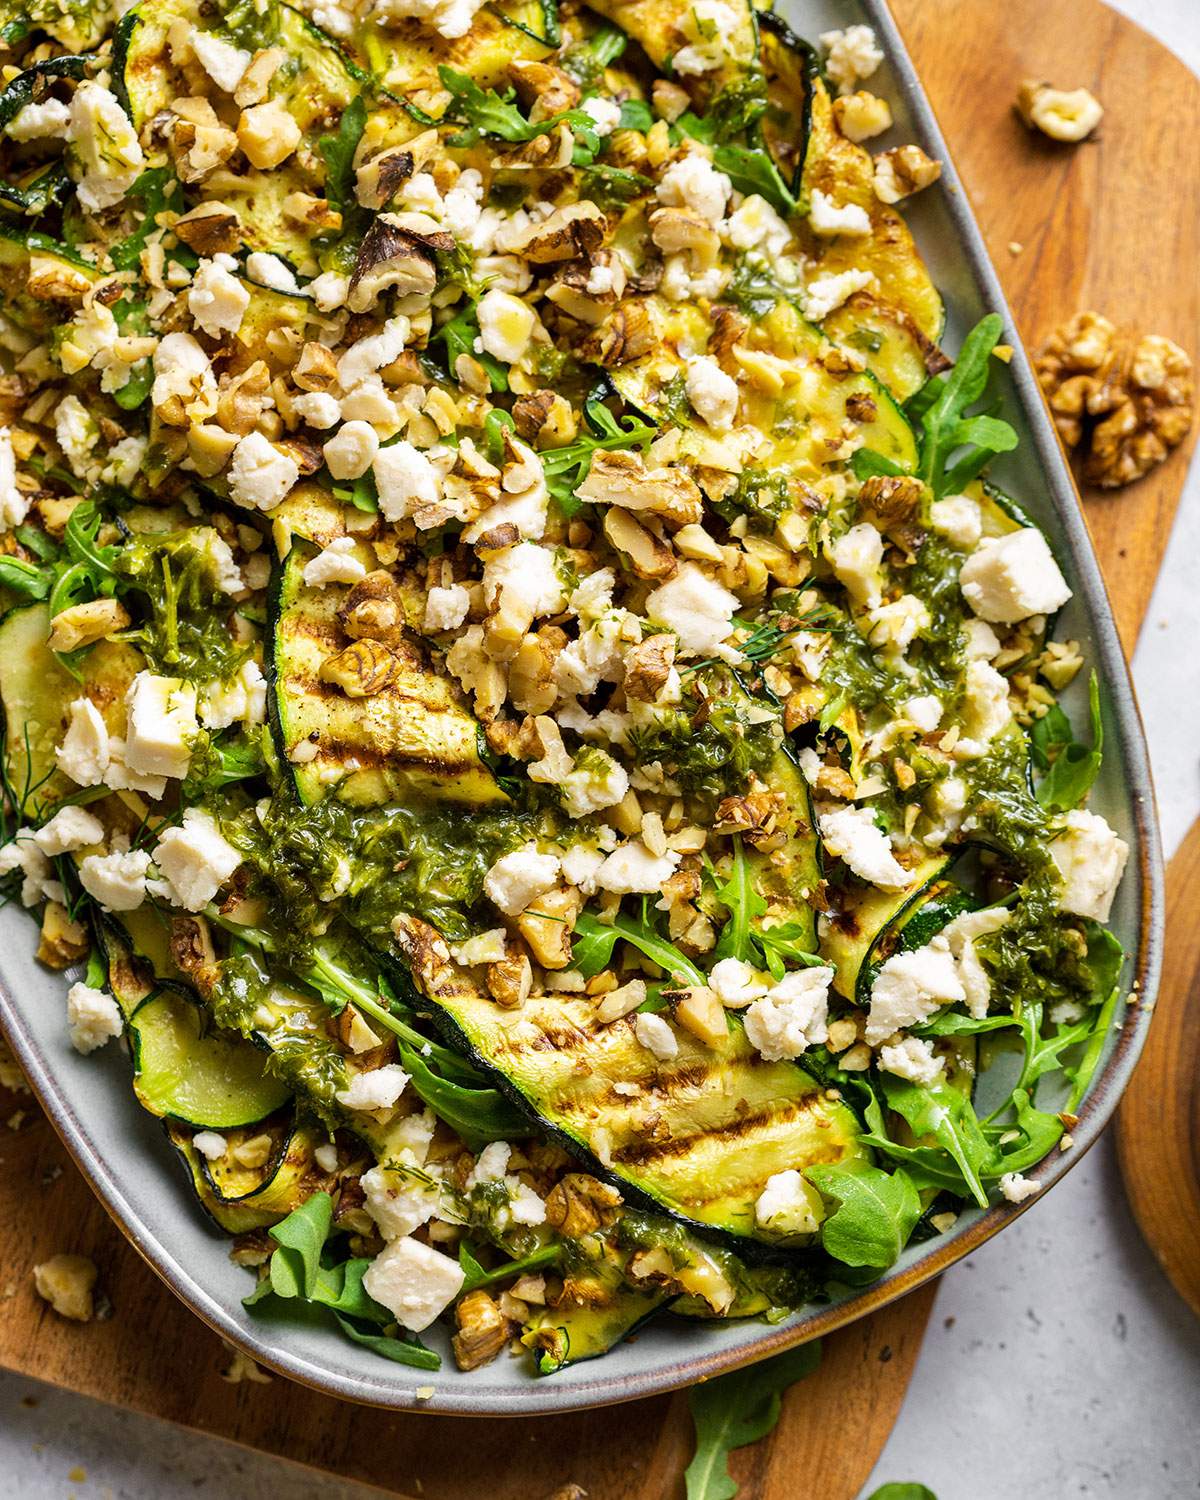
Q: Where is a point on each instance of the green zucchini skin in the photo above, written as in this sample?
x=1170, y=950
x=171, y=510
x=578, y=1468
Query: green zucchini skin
x=792, y=67
x=182, y=1070
x=854, y=935
x=565, y=1336
x=242, y=1200
x=413, y=741
x=699, y=1141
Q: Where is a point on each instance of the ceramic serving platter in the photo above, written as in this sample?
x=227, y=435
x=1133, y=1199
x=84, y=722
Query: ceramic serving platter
x=128, y=1161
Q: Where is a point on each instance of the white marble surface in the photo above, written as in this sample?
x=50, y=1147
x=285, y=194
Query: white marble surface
x=1059, y=1363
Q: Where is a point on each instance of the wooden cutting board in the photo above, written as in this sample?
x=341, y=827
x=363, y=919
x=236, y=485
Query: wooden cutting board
x=1114, y=225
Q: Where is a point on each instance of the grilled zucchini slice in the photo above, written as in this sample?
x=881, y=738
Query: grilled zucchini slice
x=413, y=739
x=242, y=1198
x=661, y=28
x=36, y=692
x=701, y=1135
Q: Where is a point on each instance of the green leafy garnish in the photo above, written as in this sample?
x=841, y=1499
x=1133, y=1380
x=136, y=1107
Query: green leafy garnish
x=300, y=1239
x=737, y=1409
x=566, y=468
x=475, y=1275
x=487, y=113
x=901, y=1490
x=875, y=1215
x=1069, y=767
x=595, y=941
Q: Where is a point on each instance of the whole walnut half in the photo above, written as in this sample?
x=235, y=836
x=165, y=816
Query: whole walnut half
x=1123, y=400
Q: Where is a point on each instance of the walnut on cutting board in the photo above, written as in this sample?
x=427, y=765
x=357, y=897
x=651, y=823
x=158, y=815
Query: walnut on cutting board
x=1068, y=115
x=1121, y=399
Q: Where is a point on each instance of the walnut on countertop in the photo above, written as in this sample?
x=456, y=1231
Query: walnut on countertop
x=1123, y=400
x=1068, y=115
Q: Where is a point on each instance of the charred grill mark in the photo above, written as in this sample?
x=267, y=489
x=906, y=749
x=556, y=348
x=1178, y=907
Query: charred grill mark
x=303, y=684
x=644, y=1152
x=373, y=757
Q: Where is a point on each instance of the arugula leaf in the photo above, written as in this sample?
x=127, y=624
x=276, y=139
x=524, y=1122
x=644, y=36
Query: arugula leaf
x=478, y=1114
x=566, y=468
x=485, y=112
x=941, y=406
x=1070, y=767
x=867, y=464
x=149, y=194
x=475, y=1274
x=300, y=1238
x=361, y=493
x=595, y=941
x=737, y=1409
x=408, y=1351
x=340, y=1287
x=902, y=1490
x=459, y=335
x=752, y=169
x=25, y=578
x=337, y=152
x=875, y=1215
x=743, y=903
x=948, y=1116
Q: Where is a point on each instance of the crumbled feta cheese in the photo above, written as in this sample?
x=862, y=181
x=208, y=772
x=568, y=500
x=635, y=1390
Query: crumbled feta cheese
x=326, y=1157
x=334, y=564
x=785, y=1206
x=377, y=1088
x=195, y=860
x=696, y=607
x=910, y=987
x=791, y=1016
x=106, y=147
x=445, y=608
x=712, y=393
x=243, y=699
x=93, y=1017
x=117, y=880
x=398, y=1200
x=656, y=1036
x=923, y=712
x=14, y=505
x=161, y=725
x=373, y=353
x=21, y=853
x=329, y=290
x=595, y=782
x=855, y=559
x=1017, y=1188
x=982, y=642
x=1091, y=861
x=829, y=218
x=827, y=293
x=961, y=934
x=709, y=26
x=320, y=410
x=405, y=480
x=985, y=709
x=912, y=1058
x=70, y=828
x=518, y=878
x=210, y=1145
x=353, y=449
x=851, y=55
x=850, y=833
x=735, y=983
x=895, y=625
x=755, y=225
x=260, y=476
x=484, y=948
x=605, y=114
x=506, y=326
x=269, y=270
x=414, y=1282
x=123, y=465
x=1008, y=578
x=76, y=432
x=693, y=182
x=83, y=754
x=580, y=866
x=527, y=575
x=959, y=519
x=222, y=61
x=37, y=122
x=181, y=368
x=632, y=869
x=217, y=299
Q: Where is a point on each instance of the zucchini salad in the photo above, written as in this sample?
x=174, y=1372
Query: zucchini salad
x=522, y=705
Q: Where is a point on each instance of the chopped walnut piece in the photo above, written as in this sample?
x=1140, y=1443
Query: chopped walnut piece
x=547, y=924
x=510, y=980
x=316, y=369
x=63, y=941
x=544, y=90
x=903, y=171
x=570, y=232
x=1068, y=115
x=621, y=478
x=361, y=670
x=483, y=1330
x=648, y=667
x=1123, y=400
x=649, y=557
x=578, y=1204
x=373, y=609
x=84, y=624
